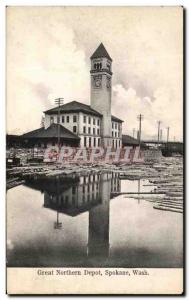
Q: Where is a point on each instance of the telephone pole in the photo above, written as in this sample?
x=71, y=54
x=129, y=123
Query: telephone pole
x=59, y=101
x=159, y=123
x=133, y=132
x=167, y=135
x=57, y=224
x=161, y=135
x=140, y=118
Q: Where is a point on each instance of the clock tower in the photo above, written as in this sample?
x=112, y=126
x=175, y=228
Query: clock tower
x=101, y=77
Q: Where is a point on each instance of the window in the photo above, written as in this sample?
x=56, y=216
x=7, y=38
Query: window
x=83, y=189
x=74, y=129
x=90, y=142
x=84, y=119
x=73, y=190
x=115, y=134
x=58, y=119
x=119, y=143
x=98, y=131
x=85, y=141
x=112, y=125
x=113, y=143
x=94, y=142
x=98, y=142
x=116, y=144
x=74, y=119
x=52, y=120
x=62, y=119
x=89, y=120
x=98, y=66
x=115, y=125
x=93, y=130
x=89, y=130
x=94, y=121
x=98, y=122
x=67, y=119
x=112, y=133
x=84, y=129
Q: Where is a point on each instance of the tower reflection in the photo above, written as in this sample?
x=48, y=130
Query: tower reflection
x=74, y=195
x=98, y=235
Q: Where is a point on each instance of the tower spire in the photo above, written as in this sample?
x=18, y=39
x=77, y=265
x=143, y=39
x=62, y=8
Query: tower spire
x=101, y=52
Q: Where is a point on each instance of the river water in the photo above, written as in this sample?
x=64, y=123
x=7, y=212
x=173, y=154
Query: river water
x=85, y=221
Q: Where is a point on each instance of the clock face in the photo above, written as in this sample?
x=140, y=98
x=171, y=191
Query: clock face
x=97, y=81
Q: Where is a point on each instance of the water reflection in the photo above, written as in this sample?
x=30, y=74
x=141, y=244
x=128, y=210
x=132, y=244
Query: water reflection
x=139, y=191
x=72, y=222
x=74, y=195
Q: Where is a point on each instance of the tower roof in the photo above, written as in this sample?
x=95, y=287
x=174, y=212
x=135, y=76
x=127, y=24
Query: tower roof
x=101, y=52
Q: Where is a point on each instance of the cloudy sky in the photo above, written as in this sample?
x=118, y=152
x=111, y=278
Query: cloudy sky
x=48, y=56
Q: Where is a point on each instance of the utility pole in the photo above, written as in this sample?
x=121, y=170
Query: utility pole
x=133, y=132
x=161, y=135
x=59, y=101
x=167, y=135
x=159, y=122
x=140, y=118
x=57, y=224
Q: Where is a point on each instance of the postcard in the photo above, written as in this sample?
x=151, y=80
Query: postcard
x=94, y=150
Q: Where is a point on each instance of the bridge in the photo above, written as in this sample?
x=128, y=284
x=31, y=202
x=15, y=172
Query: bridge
x=167, y=148
x=171, y=143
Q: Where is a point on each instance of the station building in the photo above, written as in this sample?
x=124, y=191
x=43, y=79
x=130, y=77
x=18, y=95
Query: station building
x=80, y=124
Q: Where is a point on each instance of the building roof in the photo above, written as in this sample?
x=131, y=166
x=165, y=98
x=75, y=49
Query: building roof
x=74, y=106
x=115, y=119
x=51, y=185
x=51, y=132
x=101, y=52
x=129, y=140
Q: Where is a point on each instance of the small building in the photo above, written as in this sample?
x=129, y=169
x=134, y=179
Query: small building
x=44, y=137
x=128, y=140
x=13, y=141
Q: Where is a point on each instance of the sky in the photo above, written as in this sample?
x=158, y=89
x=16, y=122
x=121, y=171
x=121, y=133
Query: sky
x=48, y=56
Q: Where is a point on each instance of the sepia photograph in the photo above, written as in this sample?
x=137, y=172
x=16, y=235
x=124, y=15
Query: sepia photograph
x=94, y=149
